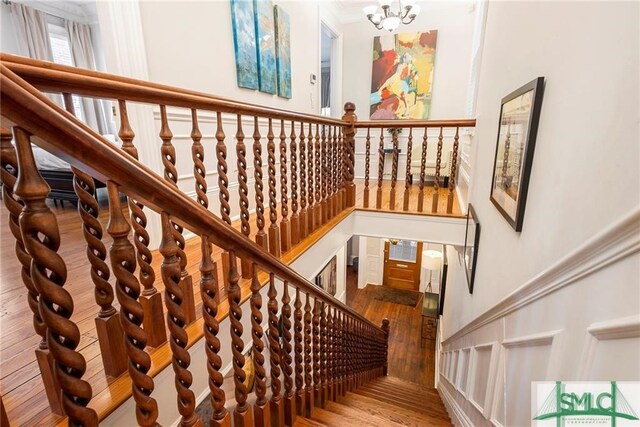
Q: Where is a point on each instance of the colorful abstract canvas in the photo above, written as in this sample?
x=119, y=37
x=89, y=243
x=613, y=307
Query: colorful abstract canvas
x=402, y=75
x=265, y=35
x=244, y=41
x=283, y=52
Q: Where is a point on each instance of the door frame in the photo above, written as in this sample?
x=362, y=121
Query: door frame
x=418, y=263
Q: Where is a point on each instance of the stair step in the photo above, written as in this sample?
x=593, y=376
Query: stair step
x=364, y=418
x=307, y=422
x=346, y=418
x=401, y=416
x=405, y=395
x=428, y=407
x=399, y=383
x=426, y=392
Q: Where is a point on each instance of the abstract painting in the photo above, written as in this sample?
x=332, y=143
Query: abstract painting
x=266, y=44
x=402, y=75
x=283, y=52
x=517, y=131
x=244, y=42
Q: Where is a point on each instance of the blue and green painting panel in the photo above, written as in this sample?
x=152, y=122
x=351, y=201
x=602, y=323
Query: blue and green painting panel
x=283, y=52
x=244, y=42
x=265, y=35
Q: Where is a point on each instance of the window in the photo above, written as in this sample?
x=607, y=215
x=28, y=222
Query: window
x=61, y=50
x=404, y=250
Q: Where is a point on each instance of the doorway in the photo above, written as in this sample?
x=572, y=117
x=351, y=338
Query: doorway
x=402, y=259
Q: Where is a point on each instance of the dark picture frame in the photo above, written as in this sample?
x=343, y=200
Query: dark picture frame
x=327, y=279
x=443, y=279
x=471, y=242
x=517, y=131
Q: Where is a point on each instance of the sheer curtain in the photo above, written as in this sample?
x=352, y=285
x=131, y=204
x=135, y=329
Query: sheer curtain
x=83, y=57
x=31, y=26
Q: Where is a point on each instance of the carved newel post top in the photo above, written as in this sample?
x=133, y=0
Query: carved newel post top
x=349, y=112
x=385, y=325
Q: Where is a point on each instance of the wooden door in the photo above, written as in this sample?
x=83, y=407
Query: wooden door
x=402, y=265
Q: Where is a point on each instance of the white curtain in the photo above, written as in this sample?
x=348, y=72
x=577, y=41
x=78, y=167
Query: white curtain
x=83, y=57
x=31, y=26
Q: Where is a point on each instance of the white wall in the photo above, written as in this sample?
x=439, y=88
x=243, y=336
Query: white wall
x=454, y=22
x=584, y=179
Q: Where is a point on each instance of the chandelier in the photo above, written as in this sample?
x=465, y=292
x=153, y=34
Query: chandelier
x=388, y=19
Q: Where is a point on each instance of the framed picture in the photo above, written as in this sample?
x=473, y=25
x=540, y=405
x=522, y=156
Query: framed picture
x=266, y=44
x=327, y=279
x=283, y=52
x=471, y=241
x=517, y=130
x=244, y=43
x=443, y=280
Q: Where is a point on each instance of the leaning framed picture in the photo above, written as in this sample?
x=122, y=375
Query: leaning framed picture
x=471, y=241
x=517, y=130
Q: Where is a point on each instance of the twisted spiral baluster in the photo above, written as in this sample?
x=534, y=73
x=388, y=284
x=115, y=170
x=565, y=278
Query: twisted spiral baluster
x=380, y=169
x=367, y=161
x=311, y=214
x=287, y=360
x=150, y=298
x=304, y=229
x=257, y=334
x=295, y=226
x=436, y=180
x=261, y=237
x=331, y=353
x=407, y=179
x=318, y=177
x=317, y=367
x=308, y=348
x=41, y=238
x=197, y=155
x=243, y=189
x=223, y=180
x=277, y=409
x=453, y=171
x=274, y=235
x=394, y=170
x=123, y=263
x=209, y=290
x=298, y=327
x=325, y=175
x=423, y=167
x=176, y=322
x=285, y=230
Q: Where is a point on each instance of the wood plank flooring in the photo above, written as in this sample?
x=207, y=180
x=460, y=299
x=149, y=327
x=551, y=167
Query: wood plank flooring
x=20, y=384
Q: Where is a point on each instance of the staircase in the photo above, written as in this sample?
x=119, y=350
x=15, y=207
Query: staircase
x=384, y=402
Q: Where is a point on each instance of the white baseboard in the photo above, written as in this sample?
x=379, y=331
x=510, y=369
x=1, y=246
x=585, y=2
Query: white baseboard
x=457, y=415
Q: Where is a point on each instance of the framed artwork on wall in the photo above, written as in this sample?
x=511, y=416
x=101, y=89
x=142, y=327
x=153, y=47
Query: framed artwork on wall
x=283, y=52
x=266, y=45
x=471, y=241
x=517, y=131
x=328, y=277
x=244, y=43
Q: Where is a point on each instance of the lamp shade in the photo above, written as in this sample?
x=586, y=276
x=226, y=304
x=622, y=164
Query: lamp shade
x=431, y=260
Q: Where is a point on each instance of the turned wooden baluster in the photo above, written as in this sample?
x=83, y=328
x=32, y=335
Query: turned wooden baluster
x=197, y=155
x=41, y=238
x=350, y=152
x=380, y=169
x=123, y=263
x=317, y=363
x=108, y=326
x=285, y=226
x=176, y=322
x=14, y=205
x=342, y=348
x=348, y=353
x=287, y=360
x=243, y=190
x=209, y=292
x=298, y=327
x=276, y=405
x=385, y=328
x=453, y=171
x=335, y=165
x=308, y=385
x=318, y=177
x=242, y=415
x=171, y=175
x=394, y=170
x=339, y=171
x=330, y=173
x=407, y=178
x=150, y=298
x=311, y=212
x=261, y=408
x=330, y=354
x=423, y=167
x=295, y=224
x=223, y=192
x=323, y=354
x=367, y=161
x=325, y=176
x=303, y=221
x=436, y=180
x=261, y=236
x=274, y=232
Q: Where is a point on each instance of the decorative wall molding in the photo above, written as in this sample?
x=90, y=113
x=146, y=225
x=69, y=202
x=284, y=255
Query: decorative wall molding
x=618, y=241
x=543, y=338
x=457, y=414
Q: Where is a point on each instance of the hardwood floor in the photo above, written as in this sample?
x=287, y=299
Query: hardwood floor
x=20, y=383
x=411, y=358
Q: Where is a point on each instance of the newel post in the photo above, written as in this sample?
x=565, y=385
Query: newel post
x=385, y=328
x=350, y=142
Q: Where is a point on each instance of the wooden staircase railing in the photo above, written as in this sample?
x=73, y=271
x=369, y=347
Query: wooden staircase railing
x=329, y=333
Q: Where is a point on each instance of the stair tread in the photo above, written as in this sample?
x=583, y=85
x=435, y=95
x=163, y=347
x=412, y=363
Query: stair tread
x=383, y=386
x=404, y=396
x=307, y=422
x=436, y=408
x=347, y=418
x=405, y=417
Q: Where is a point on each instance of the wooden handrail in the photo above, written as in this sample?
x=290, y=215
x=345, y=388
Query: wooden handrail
x=415, y=123
x=50, y=77
x=60, y=133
